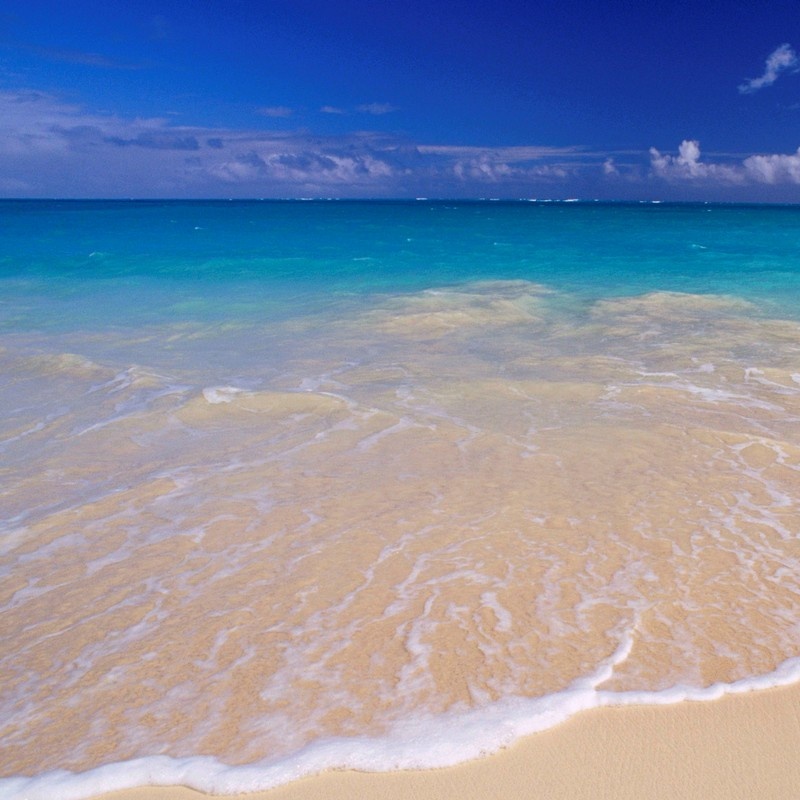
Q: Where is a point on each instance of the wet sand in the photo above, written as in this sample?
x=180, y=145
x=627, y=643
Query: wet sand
x=742, y=746
x=239, y=570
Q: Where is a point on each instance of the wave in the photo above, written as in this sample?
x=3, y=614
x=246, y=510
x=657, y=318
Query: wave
x=423, y=743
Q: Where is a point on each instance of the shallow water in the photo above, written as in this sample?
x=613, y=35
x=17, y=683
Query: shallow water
x=340, y=479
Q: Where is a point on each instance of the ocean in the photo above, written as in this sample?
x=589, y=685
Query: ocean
x=294, y=486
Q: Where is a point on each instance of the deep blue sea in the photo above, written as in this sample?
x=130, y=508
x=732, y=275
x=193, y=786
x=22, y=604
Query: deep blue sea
x=291, y=486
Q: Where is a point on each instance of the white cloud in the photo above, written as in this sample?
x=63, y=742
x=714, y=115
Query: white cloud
x=772, y=169
x=517, y=165
x=688, y=166
x=309, y=169
x=777, y=168
x=510, y=154
x=610, y=168
x=780, y=60
x=34, y=122
x=332, y=110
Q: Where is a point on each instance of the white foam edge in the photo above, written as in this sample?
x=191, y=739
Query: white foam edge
x=221, y=394
x=422, y=743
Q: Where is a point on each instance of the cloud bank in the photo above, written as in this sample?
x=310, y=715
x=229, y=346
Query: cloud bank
x=781, y=59
x=772, y=169
x=687, y=166
x=51, y=148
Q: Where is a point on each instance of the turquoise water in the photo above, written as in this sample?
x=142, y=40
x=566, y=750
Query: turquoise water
x=290, y=486
x=66, y=265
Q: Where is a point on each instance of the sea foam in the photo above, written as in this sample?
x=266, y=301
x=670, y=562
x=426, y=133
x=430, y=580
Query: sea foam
x=423, y=743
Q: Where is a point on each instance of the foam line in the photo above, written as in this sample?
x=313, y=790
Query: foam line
x=421, y=743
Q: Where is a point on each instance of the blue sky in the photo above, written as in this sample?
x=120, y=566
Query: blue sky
x=363, y=98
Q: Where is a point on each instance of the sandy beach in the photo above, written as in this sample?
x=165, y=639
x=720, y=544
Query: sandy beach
x=742, y=746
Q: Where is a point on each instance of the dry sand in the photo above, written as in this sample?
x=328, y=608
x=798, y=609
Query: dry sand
x=740, y=747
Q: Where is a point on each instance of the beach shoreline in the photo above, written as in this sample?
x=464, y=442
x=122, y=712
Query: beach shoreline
x=738, y=746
